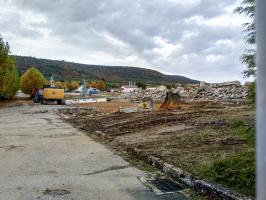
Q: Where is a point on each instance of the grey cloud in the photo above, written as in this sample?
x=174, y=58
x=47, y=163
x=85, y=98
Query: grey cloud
x=13, y=24
x=134, y=25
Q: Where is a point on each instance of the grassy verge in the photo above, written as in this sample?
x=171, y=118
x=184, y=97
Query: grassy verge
x=222, y=154
x=238, y=171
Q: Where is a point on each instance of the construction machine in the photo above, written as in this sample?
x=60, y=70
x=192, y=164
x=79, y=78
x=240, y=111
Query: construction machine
x=49, y=94
x=172, y=101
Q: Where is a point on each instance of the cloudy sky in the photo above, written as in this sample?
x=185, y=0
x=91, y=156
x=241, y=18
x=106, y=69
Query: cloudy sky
x=200, y=39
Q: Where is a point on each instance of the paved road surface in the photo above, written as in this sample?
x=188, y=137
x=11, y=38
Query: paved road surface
x=44, y=158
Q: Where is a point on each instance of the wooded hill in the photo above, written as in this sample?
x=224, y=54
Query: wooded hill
x=62, y=70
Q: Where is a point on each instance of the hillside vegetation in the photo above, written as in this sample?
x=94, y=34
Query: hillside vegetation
x=63, y=70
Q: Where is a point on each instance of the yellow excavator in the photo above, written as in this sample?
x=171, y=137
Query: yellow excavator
x=49, y=94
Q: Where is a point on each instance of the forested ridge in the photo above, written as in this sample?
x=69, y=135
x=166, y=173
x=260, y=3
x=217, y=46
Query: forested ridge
x=62, y=70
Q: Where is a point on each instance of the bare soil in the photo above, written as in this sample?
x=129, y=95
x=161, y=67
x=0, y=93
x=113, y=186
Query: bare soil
x=190, y=139
x=109, y=107
x=15, y=102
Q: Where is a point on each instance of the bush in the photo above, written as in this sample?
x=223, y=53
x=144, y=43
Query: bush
x=31, y=79
x=9, y=78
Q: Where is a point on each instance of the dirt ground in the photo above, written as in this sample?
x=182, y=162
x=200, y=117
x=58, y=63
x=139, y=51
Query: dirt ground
x=109, y=107
x=190, y=139
x=15, y=102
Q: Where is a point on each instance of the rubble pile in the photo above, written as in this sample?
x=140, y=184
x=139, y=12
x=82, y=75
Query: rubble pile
x=216, y=91
x=137, y=96
x=195, y=92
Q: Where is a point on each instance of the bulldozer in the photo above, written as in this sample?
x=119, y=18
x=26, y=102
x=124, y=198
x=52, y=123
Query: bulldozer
x=172, y=101
x=49, y=94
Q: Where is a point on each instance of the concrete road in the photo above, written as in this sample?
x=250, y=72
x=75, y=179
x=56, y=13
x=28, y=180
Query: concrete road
x=44, y=158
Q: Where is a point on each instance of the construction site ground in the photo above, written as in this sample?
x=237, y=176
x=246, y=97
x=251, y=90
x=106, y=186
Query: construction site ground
x=45, y=158
x=191, y=138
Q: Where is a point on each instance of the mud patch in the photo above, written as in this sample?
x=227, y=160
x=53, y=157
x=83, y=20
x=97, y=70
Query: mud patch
x=12, y=147
x=56, y=192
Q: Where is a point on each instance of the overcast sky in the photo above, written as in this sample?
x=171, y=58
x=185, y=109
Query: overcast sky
x=200, y=39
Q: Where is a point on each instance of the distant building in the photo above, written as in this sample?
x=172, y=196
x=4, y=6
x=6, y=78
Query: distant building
x=131, y=87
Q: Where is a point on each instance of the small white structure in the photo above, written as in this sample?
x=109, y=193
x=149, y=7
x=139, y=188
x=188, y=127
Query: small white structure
x=79, y=89
x=131, y=87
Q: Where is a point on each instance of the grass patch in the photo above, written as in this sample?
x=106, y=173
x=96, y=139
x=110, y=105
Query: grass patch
x=238, y=171
x=245, y=131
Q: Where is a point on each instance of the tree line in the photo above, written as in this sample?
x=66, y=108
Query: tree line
x=10, y=81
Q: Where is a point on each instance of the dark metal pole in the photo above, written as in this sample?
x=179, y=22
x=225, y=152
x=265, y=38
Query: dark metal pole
x=261, y=98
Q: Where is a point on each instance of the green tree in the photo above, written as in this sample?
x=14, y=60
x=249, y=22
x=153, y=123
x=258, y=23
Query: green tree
x=141, y=85
x=31, y=79
x=9, y=78
x=249, y=58
x=248, y=8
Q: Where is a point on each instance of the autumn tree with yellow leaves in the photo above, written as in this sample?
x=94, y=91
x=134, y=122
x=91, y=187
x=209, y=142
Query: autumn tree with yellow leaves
x=31, y=79
x=59, y=84
x=73, y=85
x=100, y=85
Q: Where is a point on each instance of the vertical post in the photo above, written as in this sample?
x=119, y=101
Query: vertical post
x=261, y=98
